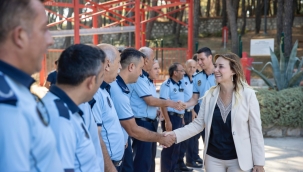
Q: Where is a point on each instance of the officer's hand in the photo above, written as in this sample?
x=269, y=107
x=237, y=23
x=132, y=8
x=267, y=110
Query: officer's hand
x=168, y=139
x=168, y=126
x=258, y=168
x=194, y=115
x=181, y=105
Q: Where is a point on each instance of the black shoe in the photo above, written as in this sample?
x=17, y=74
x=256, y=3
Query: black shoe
x=199, y=160
x=181, y=167
x=186, y=169
x=193, y=165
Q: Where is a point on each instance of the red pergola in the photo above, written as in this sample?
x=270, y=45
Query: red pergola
x=138, y=21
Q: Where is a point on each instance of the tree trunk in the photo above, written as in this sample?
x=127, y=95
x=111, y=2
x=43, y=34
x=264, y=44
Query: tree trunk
x=287, y=27
x=175, y=15
x=279, y=18
x=196, y=23
x=224, y=14
x=150, y=25
x=68, y=39
x=178, y=29
x=231, y=12
x=236, y=7
x=275, y=7
x=253, y=4
x=208, y=8
x=217, y=8
x=243, y=18
x=258, y=16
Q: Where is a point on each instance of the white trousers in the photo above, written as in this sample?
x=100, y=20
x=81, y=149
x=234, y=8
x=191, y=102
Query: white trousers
x=217, y=165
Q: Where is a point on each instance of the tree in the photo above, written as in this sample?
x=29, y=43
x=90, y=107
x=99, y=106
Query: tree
x=231, y=13
x=243, y=17
x=196, y=22
x=218, y=7
x=150, y=25
x=258, y=17
x=224, y=14
x=208, y=8
x=279, y=18
x=287, y=26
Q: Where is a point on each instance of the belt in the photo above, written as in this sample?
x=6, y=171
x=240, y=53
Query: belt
x=175, y=114
x=187, y=110
x=117, y=163
x=146, y=119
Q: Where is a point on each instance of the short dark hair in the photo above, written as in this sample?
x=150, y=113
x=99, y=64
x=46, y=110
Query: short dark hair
x=78, y=62
x=12, y=12
x=130, y=55
x=172, y=68
x=204, y=50
x=195, y=57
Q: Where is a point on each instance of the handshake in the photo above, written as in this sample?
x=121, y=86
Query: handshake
x=167, y=139
x=179, y=105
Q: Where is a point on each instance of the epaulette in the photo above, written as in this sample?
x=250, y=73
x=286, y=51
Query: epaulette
x=62, y=109
x=7, y=96
x=167, y=82
x=198, y=73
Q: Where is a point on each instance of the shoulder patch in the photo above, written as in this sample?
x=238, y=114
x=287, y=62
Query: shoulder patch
x=7, y=96
x=63, y=111
x=167, y=83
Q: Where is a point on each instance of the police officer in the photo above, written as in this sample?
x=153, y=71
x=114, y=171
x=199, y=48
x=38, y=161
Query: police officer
x=27, y=142
x=105, y=112
x=172, y=89
x=51, y=77
x=202, y=82
x=187, y=84
x=144, y=103
x=132, y=62
x=80, y=73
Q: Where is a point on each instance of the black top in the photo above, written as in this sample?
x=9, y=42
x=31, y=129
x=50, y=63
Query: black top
x=221, y=144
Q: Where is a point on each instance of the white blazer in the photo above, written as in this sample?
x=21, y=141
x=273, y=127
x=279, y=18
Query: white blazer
x=245, y=121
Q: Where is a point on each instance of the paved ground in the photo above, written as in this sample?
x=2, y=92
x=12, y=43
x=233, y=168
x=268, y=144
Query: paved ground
x=282, y=155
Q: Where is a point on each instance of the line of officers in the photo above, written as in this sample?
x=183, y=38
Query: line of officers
x=102, y=114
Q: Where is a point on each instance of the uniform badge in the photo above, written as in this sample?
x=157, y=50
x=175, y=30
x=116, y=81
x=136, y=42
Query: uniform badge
x=42, y=111
x=86, y=133
x=199, y=82
x=108, y=102
x=175, y=90
x=185, y=83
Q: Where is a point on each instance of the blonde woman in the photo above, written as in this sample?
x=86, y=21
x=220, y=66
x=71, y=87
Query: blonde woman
x=230, y=115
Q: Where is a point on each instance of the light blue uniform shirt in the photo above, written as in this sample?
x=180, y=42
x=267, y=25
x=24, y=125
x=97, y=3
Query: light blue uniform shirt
x=144, y=87
x=202, y=83
x=92, y=129
x=74, y=143
x=188, y=86
x=172, y=90
x=106, y=116
x=120, y=96
x=27, y=142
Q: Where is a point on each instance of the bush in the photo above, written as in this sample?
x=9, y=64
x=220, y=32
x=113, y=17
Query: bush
x=281, y=108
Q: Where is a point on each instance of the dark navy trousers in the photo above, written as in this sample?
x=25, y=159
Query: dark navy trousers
x=144, y=153
x=127, y=165
x=187, y=145
x=170, y=156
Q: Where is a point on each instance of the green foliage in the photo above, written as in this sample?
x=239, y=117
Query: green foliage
x=281, y=108
x=283, y=71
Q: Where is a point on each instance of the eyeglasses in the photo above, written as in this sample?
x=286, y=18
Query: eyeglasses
x=180, y=70
x=41, y=110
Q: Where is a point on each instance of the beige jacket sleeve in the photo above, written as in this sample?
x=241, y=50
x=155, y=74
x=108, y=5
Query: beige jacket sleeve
x=256, y=136
x=193, y=128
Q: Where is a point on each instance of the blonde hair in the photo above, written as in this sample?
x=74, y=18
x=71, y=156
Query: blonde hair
x=238, y=78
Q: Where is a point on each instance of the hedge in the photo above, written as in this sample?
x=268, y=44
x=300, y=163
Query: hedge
x=281, y=108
